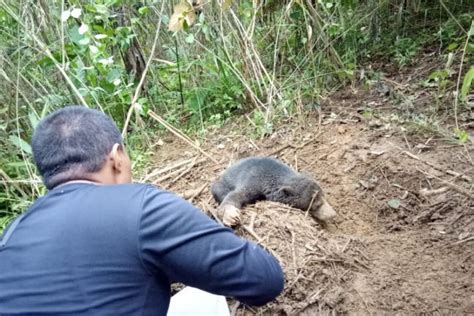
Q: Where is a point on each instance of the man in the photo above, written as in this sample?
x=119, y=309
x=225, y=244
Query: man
x=98, y=245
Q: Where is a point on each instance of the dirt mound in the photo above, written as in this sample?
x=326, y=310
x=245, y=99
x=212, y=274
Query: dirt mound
x=317, y=265
x=402, y=242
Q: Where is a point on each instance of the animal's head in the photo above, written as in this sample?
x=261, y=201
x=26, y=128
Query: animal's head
x=304, y=193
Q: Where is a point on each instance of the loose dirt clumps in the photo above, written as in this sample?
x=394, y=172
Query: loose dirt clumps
x=317, y=265
x=403, y=239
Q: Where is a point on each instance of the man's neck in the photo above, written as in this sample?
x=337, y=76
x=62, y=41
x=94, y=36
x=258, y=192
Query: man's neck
x=77, y=181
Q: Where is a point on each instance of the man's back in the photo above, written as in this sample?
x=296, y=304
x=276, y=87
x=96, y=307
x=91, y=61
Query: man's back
x=114, y=249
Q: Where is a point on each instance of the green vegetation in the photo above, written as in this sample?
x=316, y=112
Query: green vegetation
x=199, y=64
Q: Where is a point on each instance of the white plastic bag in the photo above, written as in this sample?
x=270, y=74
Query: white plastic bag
x=195, y=302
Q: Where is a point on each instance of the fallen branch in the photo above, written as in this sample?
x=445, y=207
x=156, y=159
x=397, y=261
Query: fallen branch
x=166, y=169
x=179, y=134
x=192, y=194
x=464, y=240
x=251, y=232
x=432, y=165
x=169, y=175
x=191, y=166
x=449, y=184
x=460, y=175
x=182, y=174
x=278, y=150
x=252, y=220
x=213, y=212
x=426, y=192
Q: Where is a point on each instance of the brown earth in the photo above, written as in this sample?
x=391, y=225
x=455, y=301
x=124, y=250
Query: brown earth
x=403, y=239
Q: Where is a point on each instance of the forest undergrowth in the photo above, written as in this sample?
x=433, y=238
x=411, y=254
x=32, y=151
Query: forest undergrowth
x=190, y=68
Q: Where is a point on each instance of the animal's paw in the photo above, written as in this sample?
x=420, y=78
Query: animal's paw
x=231, y=215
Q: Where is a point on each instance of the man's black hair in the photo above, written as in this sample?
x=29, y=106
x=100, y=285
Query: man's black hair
x=71, y=142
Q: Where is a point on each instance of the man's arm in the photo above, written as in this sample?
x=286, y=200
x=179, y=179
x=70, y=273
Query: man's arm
x=179, y=240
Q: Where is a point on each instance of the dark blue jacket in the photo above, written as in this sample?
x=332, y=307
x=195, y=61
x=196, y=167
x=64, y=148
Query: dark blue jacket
x=86, y=249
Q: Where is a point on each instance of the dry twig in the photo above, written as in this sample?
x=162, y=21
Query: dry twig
x=233, y=312
x=192, y=194
x=449, y=184
x=145, y=71
x=432, y=165
x=179, y=134
x=166, y=169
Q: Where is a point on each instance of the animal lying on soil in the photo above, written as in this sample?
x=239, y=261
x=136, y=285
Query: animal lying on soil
x=262, y=178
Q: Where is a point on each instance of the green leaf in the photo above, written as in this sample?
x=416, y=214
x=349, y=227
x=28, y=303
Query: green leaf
x=77, y=37
x=65, y=15
x=453, y=46
x=471, y=31
x=394, y=203
x=34, y=120
x=113, y=75
x=76, y=13
x=466, y=85
x=20, y=143
x=144, y=10
x=101, y=9
x=84, y=41
x=189, y=39
x=438, y=74
x=461, y=135
x=74, y=34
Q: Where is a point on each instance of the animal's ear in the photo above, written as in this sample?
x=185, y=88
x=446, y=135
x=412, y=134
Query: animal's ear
x=316, y=193
x=286, y=191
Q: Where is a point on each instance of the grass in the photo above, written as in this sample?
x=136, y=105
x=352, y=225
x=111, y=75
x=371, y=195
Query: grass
x=266, y=60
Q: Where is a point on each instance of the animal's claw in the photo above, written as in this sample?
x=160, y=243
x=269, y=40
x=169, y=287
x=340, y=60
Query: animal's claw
x=231, y=216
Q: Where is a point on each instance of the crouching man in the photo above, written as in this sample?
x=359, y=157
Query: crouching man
x=98, y=245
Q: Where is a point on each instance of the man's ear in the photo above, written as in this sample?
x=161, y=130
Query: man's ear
x=121, y=164
x=116, y=155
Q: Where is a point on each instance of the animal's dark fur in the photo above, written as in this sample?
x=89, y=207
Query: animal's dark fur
x=262, y=178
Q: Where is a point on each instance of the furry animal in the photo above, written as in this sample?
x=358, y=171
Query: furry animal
x=262, y=178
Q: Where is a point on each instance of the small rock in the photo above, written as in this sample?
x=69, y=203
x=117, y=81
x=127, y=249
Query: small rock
x=422, y=147
x=366, y=184
x=397, y=306
x=377, y=153
x=375, y=123
x=374, y=180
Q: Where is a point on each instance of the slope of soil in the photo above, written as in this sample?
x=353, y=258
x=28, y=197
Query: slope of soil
x=403, y=239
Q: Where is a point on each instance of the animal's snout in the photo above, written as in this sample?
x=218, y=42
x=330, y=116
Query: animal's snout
x=325, y=211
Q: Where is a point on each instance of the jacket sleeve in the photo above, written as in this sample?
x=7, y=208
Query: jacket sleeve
x=177, y=239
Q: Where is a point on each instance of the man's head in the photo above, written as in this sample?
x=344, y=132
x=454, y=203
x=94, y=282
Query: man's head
x=77, y=143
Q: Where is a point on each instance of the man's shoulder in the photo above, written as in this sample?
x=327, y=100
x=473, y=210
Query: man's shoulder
x=136, y=186
x=127, y=189
x=137, y=191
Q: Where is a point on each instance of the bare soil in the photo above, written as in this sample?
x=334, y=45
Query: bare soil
x=403, y=239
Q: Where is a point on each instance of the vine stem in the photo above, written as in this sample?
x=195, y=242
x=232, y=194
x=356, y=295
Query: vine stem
x=142, y=79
